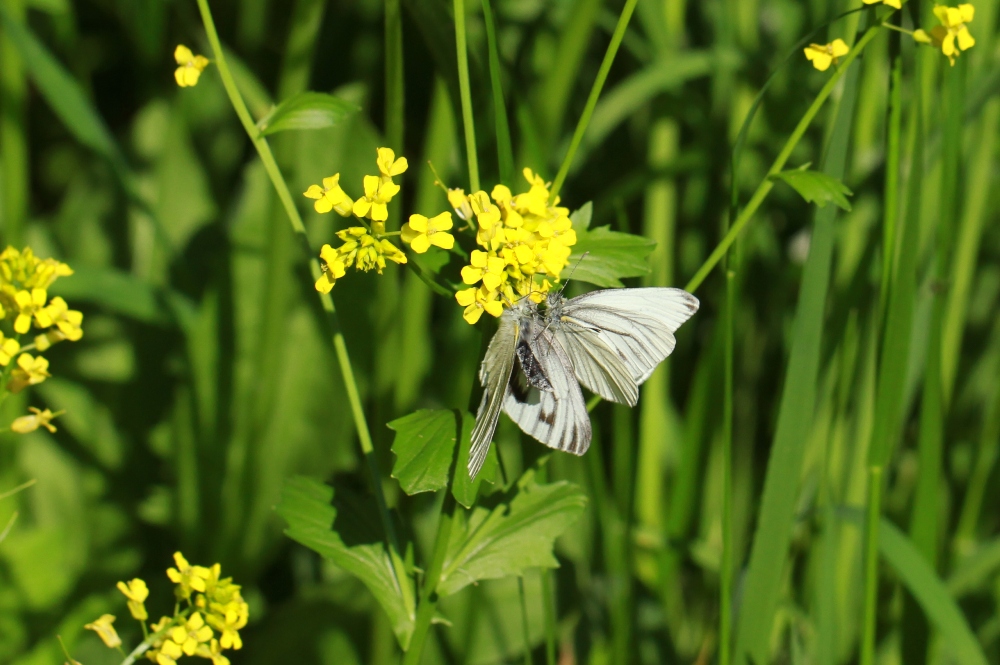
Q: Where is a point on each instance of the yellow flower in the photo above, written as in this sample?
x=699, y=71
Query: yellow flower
x=39, y=418
x=169, y=652
x=136, y=592
x=365, y=251
x=8, y=349
x=479, y=300
x=420, y=233
x=29, y=304
x=191, y=66
x=485, y=267
x=212, y=651
x=952, y=29
x=388, y=165
x=228, y=619
x=30, y=371
x=187, y=577
x=191, y=634
x=333, y=269
x=823, y=55
x=460, y=202
x=67, y=320
x=106, y=631
x=896, y=4
x=378, y=193
x=330, y=197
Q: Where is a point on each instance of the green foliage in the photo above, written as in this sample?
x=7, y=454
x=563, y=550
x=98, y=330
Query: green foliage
x=424, y=448
x=816, y=187
x=512, y=537
x=306, y=110
x=307, y=507
x=604, y=257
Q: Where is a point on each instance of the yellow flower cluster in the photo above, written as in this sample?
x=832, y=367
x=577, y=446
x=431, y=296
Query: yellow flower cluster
x=25, y=304
x=953, y=35
x=525, y=244
x=365, y=247
x=190, y=66
x=207, y=624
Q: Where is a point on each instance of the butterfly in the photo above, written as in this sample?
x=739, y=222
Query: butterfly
x=610, y=341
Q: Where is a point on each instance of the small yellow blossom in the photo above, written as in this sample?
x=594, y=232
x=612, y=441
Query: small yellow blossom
x=330, y=197
x=378, y=193
x=29, y=304
x=213, y=652
x=38, y=418
x=420, y=232
x=30, y=371
x=896, y=4
x=460, y=202
x=136, y=592
x=191, y=66
x=489, y=269
x=191, y=634
x=188, y=578
x=479, y=300
x=388, y=165
x=67, y=320
x=333, y=269
x=953, y=35
x=823, y=55
x=366, y=251
x=168, y=653
x=106, y=631
x=8, y=349
x=228, y=619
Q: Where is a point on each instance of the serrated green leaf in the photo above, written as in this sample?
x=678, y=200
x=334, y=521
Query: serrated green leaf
x=463, y=488
x=602, y=256
x=424, y=445
x=817, y=187
x=581, y=217
x=307, y=110
x=517, y=534
x=306, y=505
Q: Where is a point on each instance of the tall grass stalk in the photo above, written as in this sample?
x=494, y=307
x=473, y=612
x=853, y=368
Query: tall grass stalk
x=465, y=92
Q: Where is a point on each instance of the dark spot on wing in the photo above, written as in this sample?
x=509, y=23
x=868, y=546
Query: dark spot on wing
x=549, y=418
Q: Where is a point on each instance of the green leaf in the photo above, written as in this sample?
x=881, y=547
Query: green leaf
x=306, y=505
x=117, y=291
x=602, y=257
x=581, y=217
x=306, y=110
x=516, y=535
x=928, y=589
x=816, y=187
x=463, y=488
x=61, y=90
x=424, y=446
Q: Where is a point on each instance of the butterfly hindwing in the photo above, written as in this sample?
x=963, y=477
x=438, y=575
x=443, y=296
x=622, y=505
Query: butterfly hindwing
x=494, y=373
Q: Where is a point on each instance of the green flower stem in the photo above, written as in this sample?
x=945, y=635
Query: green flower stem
x=428, y=593
x=595, y=93
x=726, y=565
x=466, y=94
x=871, y=564
x=340, y=347
x=764, y=188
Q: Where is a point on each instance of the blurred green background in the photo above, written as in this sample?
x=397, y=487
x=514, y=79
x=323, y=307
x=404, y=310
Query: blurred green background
x=205, y=378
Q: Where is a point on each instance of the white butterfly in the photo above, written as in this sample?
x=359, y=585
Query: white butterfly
x=609, y=340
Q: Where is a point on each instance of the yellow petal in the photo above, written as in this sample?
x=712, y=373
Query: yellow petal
x=954, y=17
x=478, y=258
x=894, y=3
x=942, y=14
x=380, y=212
x=323, y=205
x=190, y=77
x=472, y=314
x=494, y=307
x=966, y=12
x=418, y=223
x=183, y=55
x=421, y=244
x=371, y=185
x=441, y=222
x=466, y=297
x=965, y=39
x=839, y=48
x=314, y=192
x=471, y=275
x=948, y=45
x=399, y=166
x=361, y=207
x=442, y=240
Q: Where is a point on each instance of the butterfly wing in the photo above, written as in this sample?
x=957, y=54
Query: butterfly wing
x=494, y=373
x=558, y=417
x=637, y=324
x=596, y=362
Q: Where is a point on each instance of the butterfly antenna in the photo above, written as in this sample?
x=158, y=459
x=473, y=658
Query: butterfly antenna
x=570, y=276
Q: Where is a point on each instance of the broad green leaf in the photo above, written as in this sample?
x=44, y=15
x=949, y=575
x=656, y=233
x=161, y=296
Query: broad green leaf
x=119, y=292
x=581, y=217
x=307, y=110
x=929, y=590
x=306, y=505
x=516, y=535
x=816, y=187
x=602, y=256
x=424, y=447
x=61, y=90
x=463, y=488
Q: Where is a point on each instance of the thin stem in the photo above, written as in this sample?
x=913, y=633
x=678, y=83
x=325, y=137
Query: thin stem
x=526, y=633
x=428, y=593
x=340, y=347
x=505, y=153
x=595, y=93
x=764, y=188
x=871, y=564
x=466, y=94
x=726, y=565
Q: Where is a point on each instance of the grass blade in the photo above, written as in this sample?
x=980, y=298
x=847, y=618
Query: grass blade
x=505, y=151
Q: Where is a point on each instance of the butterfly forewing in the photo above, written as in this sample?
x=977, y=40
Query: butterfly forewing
x=494, y=373
x=596, y=364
